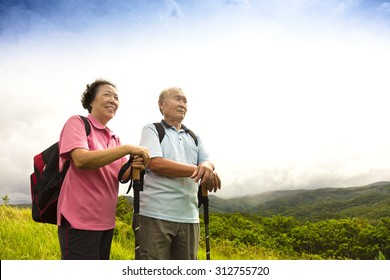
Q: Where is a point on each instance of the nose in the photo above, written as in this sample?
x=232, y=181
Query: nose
x=182, y=104
x=113, y=99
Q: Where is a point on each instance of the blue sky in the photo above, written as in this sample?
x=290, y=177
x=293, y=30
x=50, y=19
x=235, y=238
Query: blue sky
x=287, y=94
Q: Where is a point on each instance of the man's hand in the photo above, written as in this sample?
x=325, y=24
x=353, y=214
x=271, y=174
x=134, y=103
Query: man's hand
x=207, y=177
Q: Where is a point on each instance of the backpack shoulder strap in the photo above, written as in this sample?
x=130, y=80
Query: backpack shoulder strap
x=193, y=136
x=160, y=130
x=87, y=125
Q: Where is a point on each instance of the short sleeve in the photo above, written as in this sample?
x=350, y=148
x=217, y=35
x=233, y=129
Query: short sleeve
x=150, y=140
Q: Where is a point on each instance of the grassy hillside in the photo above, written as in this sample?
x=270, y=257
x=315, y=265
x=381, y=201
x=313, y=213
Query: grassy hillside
x=344, y=223
x=233, y=236
x=23, y=239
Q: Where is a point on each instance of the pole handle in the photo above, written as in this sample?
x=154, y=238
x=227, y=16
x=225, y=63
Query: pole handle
x=205, y=192
x=136, y=174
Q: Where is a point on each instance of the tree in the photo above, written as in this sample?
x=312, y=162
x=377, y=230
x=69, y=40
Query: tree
x=5, y=199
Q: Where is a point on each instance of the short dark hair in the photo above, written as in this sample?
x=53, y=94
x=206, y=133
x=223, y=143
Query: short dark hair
x=90, y=92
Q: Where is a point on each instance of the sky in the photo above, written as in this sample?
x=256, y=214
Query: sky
x=285, y=94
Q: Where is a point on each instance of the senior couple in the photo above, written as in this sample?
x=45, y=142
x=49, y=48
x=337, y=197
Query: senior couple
x=169, y=219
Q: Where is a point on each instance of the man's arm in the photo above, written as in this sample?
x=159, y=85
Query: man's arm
x=170, y=168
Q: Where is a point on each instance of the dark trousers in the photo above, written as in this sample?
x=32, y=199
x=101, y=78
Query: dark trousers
x=79, y=244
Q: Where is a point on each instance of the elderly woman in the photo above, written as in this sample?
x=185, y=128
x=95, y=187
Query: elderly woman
x=87, y=202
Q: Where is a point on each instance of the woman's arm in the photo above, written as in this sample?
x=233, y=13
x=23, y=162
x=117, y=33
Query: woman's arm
x=85, y=159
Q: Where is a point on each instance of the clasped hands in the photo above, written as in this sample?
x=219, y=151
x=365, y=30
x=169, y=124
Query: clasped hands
x=140, y=162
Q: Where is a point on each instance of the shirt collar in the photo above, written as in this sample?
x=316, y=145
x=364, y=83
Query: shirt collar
x=167, y=125
x=95, y=123
x=98, y=125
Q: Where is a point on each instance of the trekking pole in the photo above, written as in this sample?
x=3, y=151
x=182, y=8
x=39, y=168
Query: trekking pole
x=136, y=183
x=136, y=189
x=205, y=201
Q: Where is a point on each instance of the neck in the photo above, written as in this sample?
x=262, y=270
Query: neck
x=174, y=123
x=103, y=121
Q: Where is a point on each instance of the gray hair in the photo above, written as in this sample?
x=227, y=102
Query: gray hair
x=164, y=93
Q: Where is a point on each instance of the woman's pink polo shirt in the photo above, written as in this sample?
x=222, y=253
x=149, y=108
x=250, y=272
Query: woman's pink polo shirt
x=88, y=197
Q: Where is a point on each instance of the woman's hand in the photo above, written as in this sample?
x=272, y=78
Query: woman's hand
x=141, y=157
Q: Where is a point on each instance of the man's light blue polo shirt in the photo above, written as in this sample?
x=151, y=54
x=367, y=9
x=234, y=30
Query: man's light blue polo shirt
x=171, y=199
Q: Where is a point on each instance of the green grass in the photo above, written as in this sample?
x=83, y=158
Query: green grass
x=23, y=239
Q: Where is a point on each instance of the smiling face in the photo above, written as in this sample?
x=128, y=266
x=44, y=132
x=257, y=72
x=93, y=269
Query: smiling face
x=173, y=106
x=105, y=103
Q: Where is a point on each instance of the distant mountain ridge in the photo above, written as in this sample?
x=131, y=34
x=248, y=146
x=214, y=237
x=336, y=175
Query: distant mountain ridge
x=371, y=202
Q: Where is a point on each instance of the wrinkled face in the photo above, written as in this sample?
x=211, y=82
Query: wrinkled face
x=105, y=104
x=174, y=105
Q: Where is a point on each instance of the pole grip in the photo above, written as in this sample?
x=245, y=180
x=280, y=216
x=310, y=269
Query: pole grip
x=136, y=174
x=205, y=192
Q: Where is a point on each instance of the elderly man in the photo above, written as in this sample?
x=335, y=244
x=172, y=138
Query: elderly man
x=169, y=216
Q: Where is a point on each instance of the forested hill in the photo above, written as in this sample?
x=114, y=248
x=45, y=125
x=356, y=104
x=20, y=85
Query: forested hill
x=371, y=202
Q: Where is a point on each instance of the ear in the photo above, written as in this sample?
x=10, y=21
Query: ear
x=91, y=105
x=160, y=106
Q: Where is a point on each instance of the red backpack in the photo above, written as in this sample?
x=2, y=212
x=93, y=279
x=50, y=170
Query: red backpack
x=46, y=181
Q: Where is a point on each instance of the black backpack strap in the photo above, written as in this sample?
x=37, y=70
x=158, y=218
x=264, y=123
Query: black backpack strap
x=160, y=130
x=193, y=136
x=87, y=125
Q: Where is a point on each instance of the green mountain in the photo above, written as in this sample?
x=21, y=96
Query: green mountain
x=371, y=202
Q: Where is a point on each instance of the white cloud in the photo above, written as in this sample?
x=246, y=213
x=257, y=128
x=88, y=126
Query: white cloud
x=174, y=10
x=279, y=104
x=385, y=7
x=244, y=3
